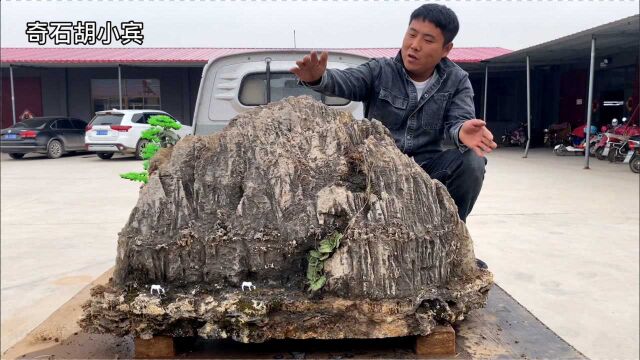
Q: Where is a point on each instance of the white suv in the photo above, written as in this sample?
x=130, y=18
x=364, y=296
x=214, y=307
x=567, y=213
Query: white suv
x=118, y=131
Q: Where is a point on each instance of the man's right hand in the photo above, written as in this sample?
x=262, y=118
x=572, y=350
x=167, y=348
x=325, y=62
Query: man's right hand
x=311, y=68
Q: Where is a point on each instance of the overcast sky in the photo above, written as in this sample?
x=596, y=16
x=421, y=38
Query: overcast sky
x=318, y=24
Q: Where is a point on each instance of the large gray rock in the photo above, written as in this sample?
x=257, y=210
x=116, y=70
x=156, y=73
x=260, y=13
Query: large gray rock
x=250, y=203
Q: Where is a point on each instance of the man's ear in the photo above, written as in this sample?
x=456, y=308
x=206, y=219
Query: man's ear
x=446, y=49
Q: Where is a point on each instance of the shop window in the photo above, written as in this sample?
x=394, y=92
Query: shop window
x=136, y=94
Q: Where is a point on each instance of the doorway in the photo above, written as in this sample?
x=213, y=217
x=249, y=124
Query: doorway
x=612, y=106
x=28, y=95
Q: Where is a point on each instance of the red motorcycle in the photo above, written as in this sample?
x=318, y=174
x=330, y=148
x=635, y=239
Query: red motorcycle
x=633, y=156
x=612, y=146
x=622, y=151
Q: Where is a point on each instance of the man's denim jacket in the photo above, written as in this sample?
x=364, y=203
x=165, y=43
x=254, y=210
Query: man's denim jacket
x=417, y=125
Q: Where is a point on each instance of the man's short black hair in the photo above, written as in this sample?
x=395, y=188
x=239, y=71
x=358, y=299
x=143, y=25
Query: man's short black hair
x=440, y=16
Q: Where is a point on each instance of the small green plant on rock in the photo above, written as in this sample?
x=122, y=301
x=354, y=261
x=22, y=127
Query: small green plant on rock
x=159, y=135
x=316, y=258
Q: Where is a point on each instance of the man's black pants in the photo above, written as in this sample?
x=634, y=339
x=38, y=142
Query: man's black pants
x=462, y=173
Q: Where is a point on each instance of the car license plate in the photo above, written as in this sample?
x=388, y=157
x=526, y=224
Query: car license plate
x=11, y=136
x=103, y=132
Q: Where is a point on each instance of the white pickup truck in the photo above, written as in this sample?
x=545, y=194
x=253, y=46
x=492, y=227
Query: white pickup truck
x=236, y=83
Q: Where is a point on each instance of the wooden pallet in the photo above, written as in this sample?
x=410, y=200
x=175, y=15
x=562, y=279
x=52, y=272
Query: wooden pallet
x=157, y=347
x=440, y=343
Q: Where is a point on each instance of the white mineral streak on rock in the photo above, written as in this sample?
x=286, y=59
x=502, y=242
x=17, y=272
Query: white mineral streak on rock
x=282, y=182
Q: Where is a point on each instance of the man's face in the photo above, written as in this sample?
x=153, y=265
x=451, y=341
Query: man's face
x=422, y=49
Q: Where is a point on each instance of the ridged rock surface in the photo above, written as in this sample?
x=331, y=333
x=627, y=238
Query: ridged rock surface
x=251, y=202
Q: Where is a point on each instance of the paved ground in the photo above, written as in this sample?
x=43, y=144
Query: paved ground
x=563, y=241
x=59, y=226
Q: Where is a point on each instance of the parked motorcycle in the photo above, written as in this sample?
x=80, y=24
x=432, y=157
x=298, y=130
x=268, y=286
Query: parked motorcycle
x=618, y=149
x=627, y=150
x=562, y=150
x=598, y=148
x=601, y=150
x=516, y=137
x=577, y=143
x=594, y=145
x=634, y=154
x=614, y=138
x=557, y=134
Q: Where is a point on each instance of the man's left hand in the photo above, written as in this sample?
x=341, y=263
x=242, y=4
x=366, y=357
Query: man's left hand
x=477, y=137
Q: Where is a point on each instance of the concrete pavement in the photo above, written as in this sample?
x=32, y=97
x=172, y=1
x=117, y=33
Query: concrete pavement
x=59, y=225
x=563, y=241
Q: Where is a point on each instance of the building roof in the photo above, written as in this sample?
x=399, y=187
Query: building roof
x=617, y=36
x=189, y=56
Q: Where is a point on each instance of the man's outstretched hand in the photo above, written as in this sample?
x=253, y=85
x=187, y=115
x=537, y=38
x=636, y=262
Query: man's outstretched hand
x=477, y=137
x=311, y=67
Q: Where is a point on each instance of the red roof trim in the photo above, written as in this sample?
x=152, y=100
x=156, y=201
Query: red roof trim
x=196, y=56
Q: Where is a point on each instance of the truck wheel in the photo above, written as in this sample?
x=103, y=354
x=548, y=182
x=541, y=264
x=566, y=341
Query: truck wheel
x=16, y=156
x=54, y=149
x=599, y=152
x=105, y=156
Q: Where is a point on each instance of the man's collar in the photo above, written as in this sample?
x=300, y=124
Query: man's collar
x=440, y=67
x=398, y=58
